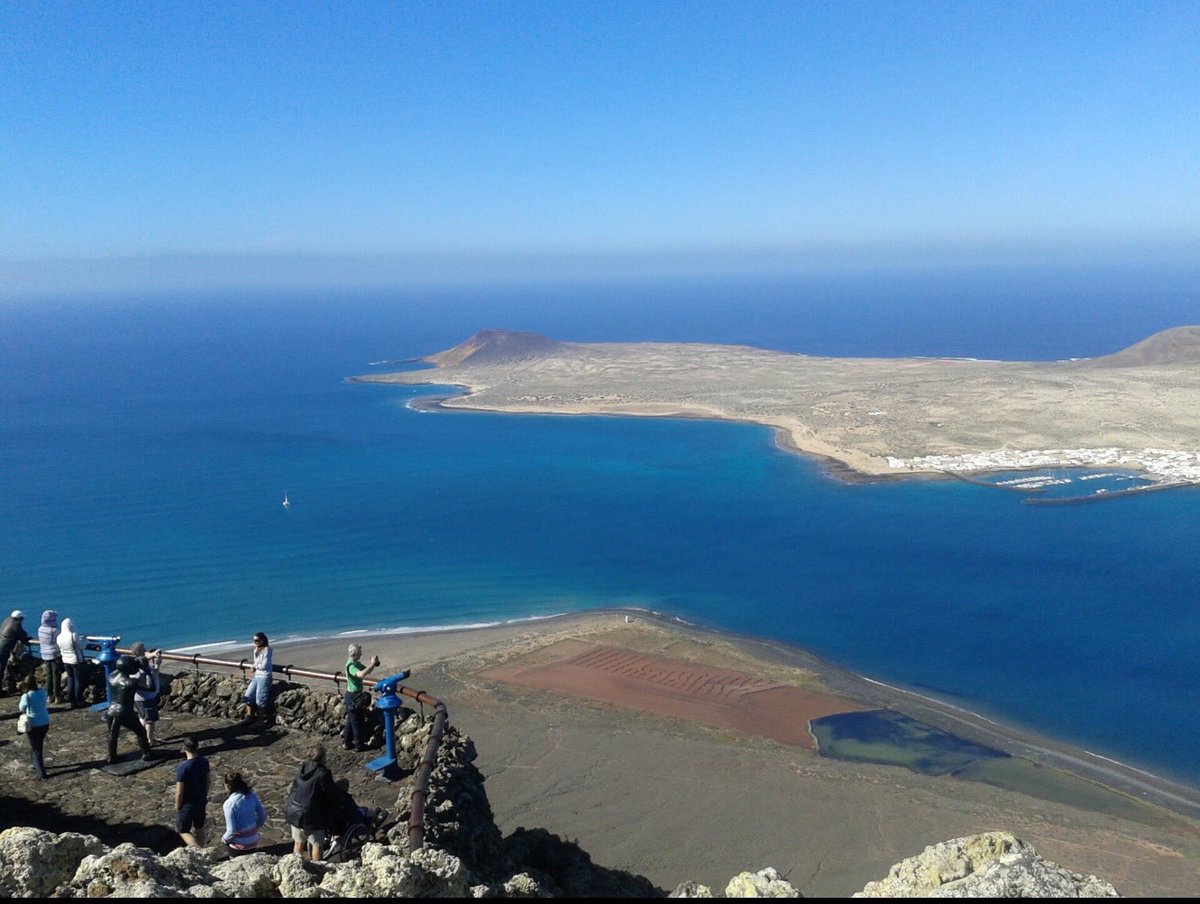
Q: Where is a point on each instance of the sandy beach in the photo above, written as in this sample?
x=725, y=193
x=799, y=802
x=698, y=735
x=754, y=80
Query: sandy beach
x=674, y=751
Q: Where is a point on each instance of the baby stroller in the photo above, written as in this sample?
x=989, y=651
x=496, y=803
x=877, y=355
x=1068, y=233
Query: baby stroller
x=356, y=826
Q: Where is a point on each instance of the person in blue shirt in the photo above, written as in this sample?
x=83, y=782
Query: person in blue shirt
x=191, y=794
x=34, y=704
x=244, y=815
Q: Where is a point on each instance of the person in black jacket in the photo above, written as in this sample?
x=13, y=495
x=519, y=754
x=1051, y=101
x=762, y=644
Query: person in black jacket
x=126, y=680
x=312, y=805
x=12, y=632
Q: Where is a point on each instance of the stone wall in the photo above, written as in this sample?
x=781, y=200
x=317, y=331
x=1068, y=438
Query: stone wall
x=296, y=705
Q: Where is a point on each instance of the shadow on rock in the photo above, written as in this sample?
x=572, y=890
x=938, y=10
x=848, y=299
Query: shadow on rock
x=15, y=812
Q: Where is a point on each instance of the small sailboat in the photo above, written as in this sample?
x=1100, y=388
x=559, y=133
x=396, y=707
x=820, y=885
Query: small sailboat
x=286, y=504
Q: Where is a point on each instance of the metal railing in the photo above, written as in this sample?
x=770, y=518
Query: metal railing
x=420, y=794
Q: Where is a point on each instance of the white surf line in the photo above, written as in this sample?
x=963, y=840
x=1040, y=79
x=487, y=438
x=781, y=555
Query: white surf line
x=961, y=709
x=1109, y=759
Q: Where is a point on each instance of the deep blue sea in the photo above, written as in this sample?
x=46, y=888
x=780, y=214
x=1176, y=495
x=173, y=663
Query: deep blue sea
x=147, y=443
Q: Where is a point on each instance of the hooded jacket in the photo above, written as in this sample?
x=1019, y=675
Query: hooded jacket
x=70, y=643
x=48, y=636
x=314, y=798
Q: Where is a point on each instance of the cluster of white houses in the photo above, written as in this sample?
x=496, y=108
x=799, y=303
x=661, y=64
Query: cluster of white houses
x=1160, y=465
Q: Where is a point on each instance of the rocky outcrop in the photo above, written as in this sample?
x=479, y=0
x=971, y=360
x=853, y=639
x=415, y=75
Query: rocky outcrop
x=33, y=863
x=763, y=884
x=991, y=865
x=458, y=815
x=542, y=863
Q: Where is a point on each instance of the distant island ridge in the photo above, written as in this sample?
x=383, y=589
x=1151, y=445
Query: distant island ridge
x=1136, y=409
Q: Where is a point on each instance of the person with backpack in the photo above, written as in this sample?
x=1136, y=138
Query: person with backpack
x=354, y=736
x=313, y=804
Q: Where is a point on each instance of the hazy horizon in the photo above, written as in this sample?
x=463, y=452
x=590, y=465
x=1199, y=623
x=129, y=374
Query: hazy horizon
x=199, y=145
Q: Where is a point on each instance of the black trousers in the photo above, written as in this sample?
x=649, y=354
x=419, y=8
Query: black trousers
x=37, y=739
x=354, y=722
x=126, y=719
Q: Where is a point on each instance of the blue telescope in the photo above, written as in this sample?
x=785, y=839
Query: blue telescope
x=388, y=703
x=107, y=658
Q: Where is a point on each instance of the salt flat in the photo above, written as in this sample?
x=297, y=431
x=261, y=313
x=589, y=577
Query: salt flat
x=1137, y=408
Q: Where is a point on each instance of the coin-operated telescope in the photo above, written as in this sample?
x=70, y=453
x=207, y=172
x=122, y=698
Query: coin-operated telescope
x=387, y=703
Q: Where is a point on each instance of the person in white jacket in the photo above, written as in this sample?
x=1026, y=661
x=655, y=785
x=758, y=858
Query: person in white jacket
x=70, y=646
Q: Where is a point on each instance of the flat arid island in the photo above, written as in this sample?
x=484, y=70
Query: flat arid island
x=1136, y=409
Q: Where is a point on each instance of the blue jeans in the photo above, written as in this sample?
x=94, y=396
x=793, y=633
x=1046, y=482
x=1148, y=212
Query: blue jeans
x=258, y=692
x=75, y=683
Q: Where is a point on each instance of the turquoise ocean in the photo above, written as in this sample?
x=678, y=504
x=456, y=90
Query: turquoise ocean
x=148, y=441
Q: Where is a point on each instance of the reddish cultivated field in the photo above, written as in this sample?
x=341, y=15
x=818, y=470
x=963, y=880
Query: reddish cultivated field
x=684, y=690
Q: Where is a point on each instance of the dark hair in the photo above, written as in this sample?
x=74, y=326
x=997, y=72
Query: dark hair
x=316, y=753
x=261, y=636
x=30, y=682
x=237, y=783
x=191, y=745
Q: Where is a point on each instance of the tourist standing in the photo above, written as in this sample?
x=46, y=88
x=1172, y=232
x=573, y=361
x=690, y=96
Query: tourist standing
x=70, y=647
x=312, y=804
x=146, y=700
x=37, y=714
x=192, y=778
x=48, y=650
x=258, y=691
x=244, y=815
x=354, y=736
x=12, y=632
x=124, y=682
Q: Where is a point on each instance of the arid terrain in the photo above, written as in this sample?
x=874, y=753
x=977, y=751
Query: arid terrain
x=1138, y=408
x=643, y=740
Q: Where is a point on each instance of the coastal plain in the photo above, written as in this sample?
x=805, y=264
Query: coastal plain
x=1138, y=408
x=650, y=783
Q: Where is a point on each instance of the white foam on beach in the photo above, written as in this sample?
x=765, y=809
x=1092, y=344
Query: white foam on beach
x=207, y=647
x=902, y=690
x=398, y=630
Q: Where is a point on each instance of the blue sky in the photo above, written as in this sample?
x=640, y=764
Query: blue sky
x=450, y=131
